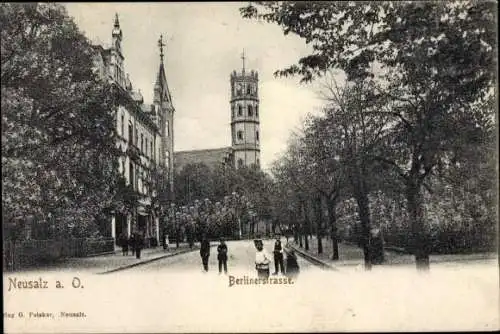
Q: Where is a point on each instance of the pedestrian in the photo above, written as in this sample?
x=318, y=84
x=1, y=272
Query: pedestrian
x=165, y=239
x=222, y=256
x=278, y=256
x=131, y=243
x=292, y=266
x=205, y=252
x=123, y=240
x=262, y=259
x=139, y=244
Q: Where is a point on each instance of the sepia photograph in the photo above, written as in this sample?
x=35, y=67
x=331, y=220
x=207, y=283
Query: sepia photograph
x=263, y=166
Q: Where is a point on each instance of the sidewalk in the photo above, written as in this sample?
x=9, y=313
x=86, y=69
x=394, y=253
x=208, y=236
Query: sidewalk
x=349, y=255
x=101, y=264
x=352, y=256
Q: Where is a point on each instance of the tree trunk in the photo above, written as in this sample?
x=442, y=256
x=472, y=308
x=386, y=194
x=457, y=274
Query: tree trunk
x=364, y=215
x=332, y=217
x=177, y=237
x=418, y=239
x=319, y=215
x=300, y=235
x=307, y=226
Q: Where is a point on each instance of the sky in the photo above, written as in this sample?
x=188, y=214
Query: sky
x=204, y=43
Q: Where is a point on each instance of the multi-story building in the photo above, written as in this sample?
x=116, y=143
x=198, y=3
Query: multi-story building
x=245, y=127
x=145, y=136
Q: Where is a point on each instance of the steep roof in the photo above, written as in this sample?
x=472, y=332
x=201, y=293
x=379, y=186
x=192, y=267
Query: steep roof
x=213, y=158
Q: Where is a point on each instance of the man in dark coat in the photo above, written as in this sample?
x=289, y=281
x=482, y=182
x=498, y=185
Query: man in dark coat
x=278, y=257
x=139, y=244
x=131, y=243
x=123, y=240
x=222, y=256
x=205, y=252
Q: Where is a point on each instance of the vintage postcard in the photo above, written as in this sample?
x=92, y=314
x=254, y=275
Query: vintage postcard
x=249, y=167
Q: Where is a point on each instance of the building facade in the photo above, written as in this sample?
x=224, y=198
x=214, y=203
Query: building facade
x=245, y=128
x=145, y=136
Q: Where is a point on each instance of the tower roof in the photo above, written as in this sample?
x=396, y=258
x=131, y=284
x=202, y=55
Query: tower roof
x=117, y=22
x=116, y=26
x=161, y=86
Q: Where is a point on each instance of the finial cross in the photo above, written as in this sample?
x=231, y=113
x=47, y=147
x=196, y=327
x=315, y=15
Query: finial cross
x=161, y=45
x=243, y=58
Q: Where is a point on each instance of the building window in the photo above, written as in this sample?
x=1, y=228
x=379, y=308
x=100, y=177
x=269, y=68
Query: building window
x=130, y=132
x=258, y=162
x=136, y=139
x=250, y=111
x=240, y=135
x=248, y=90
x=240, y=163
x=257, y=111
x=123, y=167
x=131, y=174
x=122, y=126
x=142, y=143
x=146, y=146
x=151, y=149
x=257, y=135
x=240, y=110
x=167, y=129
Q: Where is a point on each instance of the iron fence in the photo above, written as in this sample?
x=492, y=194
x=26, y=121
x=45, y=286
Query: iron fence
x=26, y=253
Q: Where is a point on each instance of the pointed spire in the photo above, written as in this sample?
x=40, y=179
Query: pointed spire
x=161, y=45
x=117, y=32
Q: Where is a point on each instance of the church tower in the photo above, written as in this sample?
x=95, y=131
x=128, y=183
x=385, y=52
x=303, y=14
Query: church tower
x=165, y=118
x=245, y=124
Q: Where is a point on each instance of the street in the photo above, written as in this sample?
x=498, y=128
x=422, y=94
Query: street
x=174, y=295
x=241, y=258
x=188, y=299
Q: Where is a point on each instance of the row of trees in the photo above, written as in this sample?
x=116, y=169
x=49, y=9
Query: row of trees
x=409, y=135
x=197, y=181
